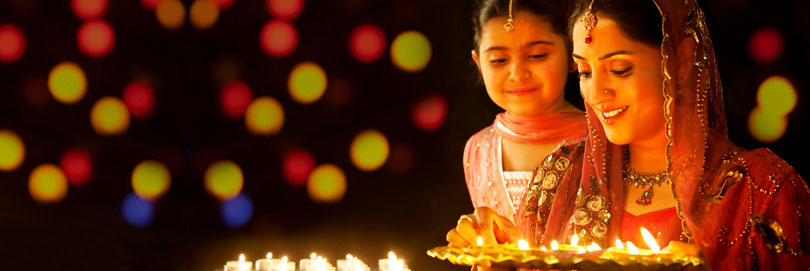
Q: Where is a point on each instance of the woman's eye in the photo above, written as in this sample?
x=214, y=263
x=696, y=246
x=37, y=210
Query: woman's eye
x=584, y=74
x=497, y=60
x=538, y=56
x=622, y=71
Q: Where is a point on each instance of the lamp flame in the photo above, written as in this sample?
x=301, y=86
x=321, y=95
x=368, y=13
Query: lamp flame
x=523, y=245
x=543, y=249
x=241, y=258
x=269, y=255
x=650, y=240
x=554, y=245
x=479, y=241
x=574, y=240
x=633, y=249
x=619, y=244
x=593, y=247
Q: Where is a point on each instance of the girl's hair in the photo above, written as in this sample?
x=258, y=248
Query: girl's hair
x=556, y=12
x=639, y=20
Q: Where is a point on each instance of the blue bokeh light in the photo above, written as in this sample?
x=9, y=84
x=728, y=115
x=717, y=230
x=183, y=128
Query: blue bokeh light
x=237, y=212
x=137, y=212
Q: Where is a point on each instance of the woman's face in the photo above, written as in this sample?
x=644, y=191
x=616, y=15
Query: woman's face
x=524, y=70
x=622, y=81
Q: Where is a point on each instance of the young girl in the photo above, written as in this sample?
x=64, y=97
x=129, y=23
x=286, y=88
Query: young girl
x=658, y=153
x=529, y=153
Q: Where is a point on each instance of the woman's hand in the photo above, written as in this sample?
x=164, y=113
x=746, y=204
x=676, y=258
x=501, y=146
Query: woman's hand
x=486, y=223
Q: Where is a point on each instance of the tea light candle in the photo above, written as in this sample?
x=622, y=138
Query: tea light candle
x=392, y=263
x=264, y=264
x=240, y=265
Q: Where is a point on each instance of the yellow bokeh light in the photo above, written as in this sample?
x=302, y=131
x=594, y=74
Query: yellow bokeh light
x=204, y=13
x=369, y=150
x=12, y=151
x=326, y=184
x=776, y=95
x=150, y=179
x=109, y=116
x=410, y=51
x=171, y=13
x=67, y=83
x=307, y=83
x=47, y=184
x=766, y=127
x=264, y=116
x=223, y=179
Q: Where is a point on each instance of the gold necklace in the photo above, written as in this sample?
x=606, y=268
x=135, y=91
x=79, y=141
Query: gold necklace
x=645, y=180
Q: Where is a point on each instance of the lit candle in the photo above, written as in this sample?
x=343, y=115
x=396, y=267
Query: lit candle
x=593, y=247
x=264, y=264
x=574, y=240
x=650, y=240
x=543, y=249
x=392, y=263
x=554, y=245
x=240, y=265
x=619, y=244
x=632, y=248
x=307, y=264
x=479, y=241
x=523, y=245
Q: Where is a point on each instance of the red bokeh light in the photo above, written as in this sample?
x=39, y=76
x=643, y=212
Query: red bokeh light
x=298, y=164
x=224, y=4
x=150, y=4
x=235, y=99
x=96, y=38
x=285, y=9
x=88, y=9
x=429, y=112
x=77, y=166
x=278, y=38
x=12, y=43
x=766, y=45
x=401, y=158
x=367, y=43
x=139, y=99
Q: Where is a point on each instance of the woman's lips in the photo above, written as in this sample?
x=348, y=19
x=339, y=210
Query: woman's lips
x=521, y=91
x=612, y=115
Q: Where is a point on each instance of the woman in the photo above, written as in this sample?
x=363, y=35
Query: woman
x=523, y=55
x=658, y=155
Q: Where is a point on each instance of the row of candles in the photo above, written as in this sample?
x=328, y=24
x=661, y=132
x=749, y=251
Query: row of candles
x=620, y=247
x=315, y=263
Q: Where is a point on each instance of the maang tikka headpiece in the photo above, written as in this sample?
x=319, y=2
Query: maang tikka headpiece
x=509, y=26
x=589, y=21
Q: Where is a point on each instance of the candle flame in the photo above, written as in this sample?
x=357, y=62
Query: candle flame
x=269, y=255
x=543, y=249
x=349, y=257
x=523, y=245
x=619, y=244
x=580, y=250
x=242, y=258
x=392, y=256
x=479, y=241
x=554, y=245
x=593, y=247
x=633, y=249
x=650, y=240
x=574, y=240
x=283, y=263
x=312, y=256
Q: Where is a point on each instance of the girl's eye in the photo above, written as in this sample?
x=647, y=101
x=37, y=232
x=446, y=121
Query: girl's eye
x=621, y=72
x=497, y=60
x=584, y=74
x=538, y=56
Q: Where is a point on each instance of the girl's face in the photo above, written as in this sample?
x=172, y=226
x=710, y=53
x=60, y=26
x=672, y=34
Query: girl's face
x=622, y=81
x=524, y=70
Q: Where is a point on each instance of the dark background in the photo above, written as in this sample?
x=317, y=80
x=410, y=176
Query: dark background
x=407, y=212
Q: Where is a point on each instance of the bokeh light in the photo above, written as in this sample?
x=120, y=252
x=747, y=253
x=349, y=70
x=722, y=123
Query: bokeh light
x=204, y=13
x=12, y=151
x=327, y=184
x=307, y=83
x=150, y=4
x=224, y=4
x=236, y=212
x=96, y=38
x=410, y=51
x=338, y=91
x=264, y=116
x=35, y=90
x=278, y=38
x=298, y=164
x=139, y=99
x=223, y=179
x=137, y=212
x=47, y=184
x=367, y=43
x=88, y=9
x=150, y=179
x=766, y=45
x=369, y=150
x=766, y=127
x=67, y=83
x=776, y=95
x=12, y=43
x=109, y=116
x=285, y=9
x=235, y=99
x=77, y=166
x=401, y=158
x=170, y=13
x=429, y=112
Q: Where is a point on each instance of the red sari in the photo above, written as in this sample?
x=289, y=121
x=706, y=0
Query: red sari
x=746, y=209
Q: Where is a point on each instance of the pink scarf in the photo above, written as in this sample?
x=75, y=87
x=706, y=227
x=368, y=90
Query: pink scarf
x=543, y=129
